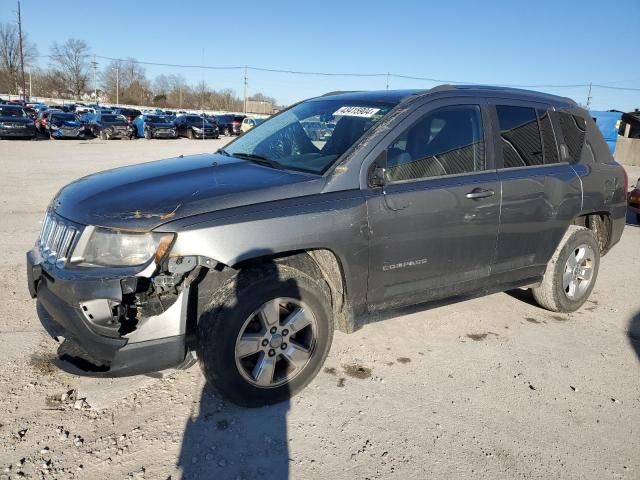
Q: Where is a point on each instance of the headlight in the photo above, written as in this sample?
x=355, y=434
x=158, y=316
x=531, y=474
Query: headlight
x=196, y=128
x=54, y=127
x=112, y=248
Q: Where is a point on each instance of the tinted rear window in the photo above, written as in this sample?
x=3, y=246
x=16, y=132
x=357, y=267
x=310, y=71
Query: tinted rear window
x=573, y=131
x=520, y=136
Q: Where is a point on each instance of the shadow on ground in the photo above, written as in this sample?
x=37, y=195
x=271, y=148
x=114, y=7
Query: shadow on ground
x=634, y=334
x=225, y=441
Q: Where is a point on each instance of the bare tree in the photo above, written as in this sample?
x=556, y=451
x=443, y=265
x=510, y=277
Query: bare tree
x=130, y=80
x=10, y=57
x=70, y=62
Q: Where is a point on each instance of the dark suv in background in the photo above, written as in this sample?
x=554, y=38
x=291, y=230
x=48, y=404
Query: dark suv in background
x=194, y=126
x=15, y=123
x=252, y=256
x=229, y=124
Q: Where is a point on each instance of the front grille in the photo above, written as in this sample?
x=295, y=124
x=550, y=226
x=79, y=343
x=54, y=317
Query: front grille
x=57, y=239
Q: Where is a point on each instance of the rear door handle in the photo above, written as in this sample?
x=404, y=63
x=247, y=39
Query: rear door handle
x=478, y=193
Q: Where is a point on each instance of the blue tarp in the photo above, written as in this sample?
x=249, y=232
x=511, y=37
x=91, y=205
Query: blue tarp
x=608, y=123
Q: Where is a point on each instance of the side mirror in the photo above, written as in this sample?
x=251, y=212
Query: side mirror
x=376, y=178
x=377, y=171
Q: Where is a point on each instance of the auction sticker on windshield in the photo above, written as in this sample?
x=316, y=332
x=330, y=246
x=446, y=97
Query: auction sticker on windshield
x=366, y=112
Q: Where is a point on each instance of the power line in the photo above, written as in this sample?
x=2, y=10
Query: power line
x=388, y=75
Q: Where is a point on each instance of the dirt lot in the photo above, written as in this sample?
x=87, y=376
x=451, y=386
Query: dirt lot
x=490, y=388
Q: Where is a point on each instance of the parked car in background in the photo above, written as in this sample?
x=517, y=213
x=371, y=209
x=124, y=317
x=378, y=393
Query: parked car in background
x=249, y=123
x=42, y=120
x=112, y=126
x=633, y=199
x=15, y=123
x=154, y=126
x=64, y=125
x=229, y=124
x=129, y=113
x=193, y=126
x=89, y=123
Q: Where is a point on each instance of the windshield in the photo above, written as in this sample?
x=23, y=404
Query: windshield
x=197, y=120
x=63, y=117
x=11, y=112
x=113, y=118
x=288, y=140
x=156, y=119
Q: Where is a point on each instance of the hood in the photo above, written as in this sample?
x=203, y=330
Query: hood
x=16, y=119
x=143, y=197
x=159, y=124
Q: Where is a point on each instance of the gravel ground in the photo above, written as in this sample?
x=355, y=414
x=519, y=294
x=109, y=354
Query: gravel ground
x=490, y=388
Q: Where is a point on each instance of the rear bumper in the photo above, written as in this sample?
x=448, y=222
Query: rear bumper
x=92, y=349
x=28, y=131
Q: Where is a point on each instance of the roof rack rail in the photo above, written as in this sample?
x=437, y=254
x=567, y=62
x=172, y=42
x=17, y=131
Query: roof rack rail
x=337, y=92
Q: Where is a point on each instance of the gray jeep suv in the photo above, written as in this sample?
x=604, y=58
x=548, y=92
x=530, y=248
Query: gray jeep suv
x=249, y=258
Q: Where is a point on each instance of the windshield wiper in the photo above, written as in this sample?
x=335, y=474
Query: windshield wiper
x=222, y=151
x=252, y=157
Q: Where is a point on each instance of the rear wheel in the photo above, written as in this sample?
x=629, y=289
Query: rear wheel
x=571, y=273
x=190, y=133
x=265, y=335
x=226, y=131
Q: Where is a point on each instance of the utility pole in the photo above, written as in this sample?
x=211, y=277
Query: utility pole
x=387, y=80
x=117, y=84
x=245, y=89
x=24, y=86
x=94, y=64
x=589, y=97
x=30, y=94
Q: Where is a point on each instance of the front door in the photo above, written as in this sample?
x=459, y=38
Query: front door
x=434, y=224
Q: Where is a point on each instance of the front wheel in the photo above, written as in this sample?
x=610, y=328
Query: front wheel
x=265, y=335
x=147, y=134
x=571, y=273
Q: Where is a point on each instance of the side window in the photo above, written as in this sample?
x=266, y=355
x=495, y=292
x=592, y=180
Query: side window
x=573, y=131
x=549, y=145
x=520, y=136
x=447, y=141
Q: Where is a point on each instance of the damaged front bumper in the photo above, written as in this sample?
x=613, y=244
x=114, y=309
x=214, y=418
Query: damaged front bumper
x=113, y=322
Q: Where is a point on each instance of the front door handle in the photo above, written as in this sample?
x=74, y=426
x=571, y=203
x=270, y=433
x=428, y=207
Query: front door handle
x=478, y=193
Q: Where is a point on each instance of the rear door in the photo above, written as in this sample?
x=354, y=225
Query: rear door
x=540, y=193
x=434, y=224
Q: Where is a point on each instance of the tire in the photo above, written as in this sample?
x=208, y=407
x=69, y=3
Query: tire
x=147, y=134
x=553, y=293
x=103, y=135
x=190, y=134
x=233, y=310
x=226, y=132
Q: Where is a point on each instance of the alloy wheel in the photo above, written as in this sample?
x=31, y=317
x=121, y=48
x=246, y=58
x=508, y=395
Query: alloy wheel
x=276, y=342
